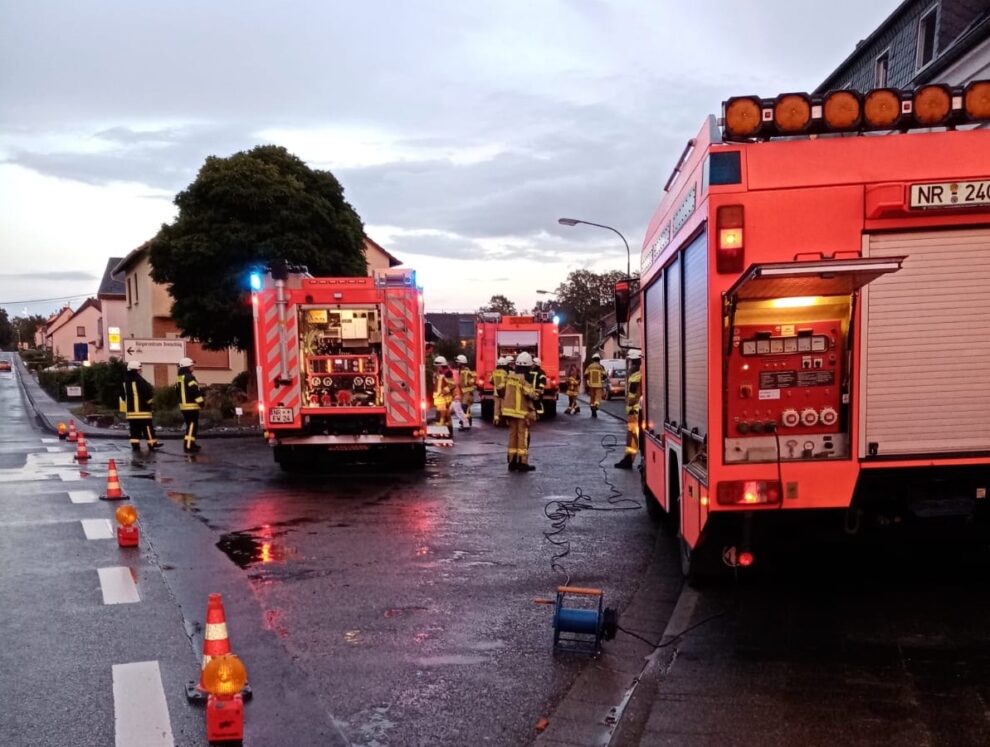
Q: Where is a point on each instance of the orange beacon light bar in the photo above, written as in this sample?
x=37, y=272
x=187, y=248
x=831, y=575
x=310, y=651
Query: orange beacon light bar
x=846, y=110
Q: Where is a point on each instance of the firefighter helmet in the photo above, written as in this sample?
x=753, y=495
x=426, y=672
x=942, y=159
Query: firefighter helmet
x=524, y=359
x=500, y=361
x=134, y=365
x=596, y=357
x=185, y=362
x=509, y=360
x=461, y=359
x=634, y=355
x=537, y=361
x=439, y=361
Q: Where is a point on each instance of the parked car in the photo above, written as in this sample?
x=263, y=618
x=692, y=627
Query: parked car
x=5, y=367
x=616, y=370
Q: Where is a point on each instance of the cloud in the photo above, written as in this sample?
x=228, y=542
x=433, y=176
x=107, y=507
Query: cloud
x=50, y=275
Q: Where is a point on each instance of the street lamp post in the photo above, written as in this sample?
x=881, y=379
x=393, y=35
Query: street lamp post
x=575, y=221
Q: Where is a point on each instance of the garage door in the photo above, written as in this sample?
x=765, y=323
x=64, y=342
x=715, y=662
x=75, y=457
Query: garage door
x=926, y=372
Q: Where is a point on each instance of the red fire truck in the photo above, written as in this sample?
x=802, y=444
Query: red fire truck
x=340, y=365
x=496, y=336
x=815, y=321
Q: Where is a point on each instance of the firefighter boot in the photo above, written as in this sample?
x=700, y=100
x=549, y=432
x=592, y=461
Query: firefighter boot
x=513, y=464
x=626, y=462
x=594, y=412
x=525, y=467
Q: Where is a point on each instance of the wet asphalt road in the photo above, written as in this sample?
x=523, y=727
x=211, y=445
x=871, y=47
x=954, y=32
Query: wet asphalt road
x=370, y=607
x=394, y=608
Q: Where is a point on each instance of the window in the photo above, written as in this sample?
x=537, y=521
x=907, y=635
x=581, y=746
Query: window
x=926, y=38
x=129, y=294
x=137, y=296
x=80, y=331
x=880, y=75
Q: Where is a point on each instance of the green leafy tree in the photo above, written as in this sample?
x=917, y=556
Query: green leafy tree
x=585, y=297
x=500, y=304
x=7, y=332
x=27, y=326
x=240, y=213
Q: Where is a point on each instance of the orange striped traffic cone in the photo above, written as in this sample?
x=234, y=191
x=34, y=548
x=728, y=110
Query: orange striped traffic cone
x=82, y=455
x=72, y=431
x=215, y=643
x=114, y=492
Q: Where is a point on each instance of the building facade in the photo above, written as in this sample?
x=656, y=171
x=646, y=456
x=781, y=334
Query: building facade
x=75, y=335
x=148, y=315
x=922, y=41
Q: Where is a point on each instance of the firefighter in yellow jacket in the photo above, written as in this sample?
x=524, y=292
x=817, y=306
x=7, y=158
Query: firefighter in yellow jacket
x=443, y=391
x=190, y=401
x=467, y=379
x=519, y=411
x=497, y=380
x=595, y=378
x=136, y=404
x=634, y=390
x=573, y=390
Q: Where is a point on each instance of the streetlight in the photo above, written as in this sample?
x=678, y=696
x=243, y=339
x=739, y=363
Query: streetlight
x=575, y=221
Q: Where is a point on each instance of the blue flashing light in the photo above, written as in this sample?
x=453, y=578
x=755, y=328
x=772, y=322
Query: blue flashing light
x=255, y=281
x=556, y=318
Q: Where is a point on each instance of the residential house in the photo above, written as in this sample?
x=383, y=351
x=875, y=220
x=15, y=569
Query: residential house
x=112, y=326
x=149, y=316
x=921, y=41
x=377, y=257
x=41, y=337
x=75, y=335
x=454, y=326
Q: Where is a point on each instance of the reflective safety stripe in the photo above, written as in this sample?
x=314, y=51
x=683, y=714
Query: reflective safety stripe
x=595, y=374
x=215, y=631
x=514, y=405
x=498, y=377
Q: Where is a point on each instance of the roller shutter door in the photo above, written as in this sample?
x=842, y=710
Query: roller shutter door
x=675, y=391
x=653, y=323
x=696, y=335
x=926, y=368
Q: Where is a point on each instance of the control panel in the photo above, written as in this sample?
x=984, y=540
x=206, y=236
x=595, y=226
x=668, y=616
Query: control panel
x=341, y=381
x=786, y=379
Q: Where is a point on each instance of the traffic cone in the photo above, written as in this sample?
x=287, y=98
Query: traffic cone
x=72, y=431
x=82, y=455
x=215, y=643
x=114, y=492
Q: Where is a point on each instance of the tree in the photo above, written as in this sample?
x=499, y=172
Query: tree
x=26, y=328
x=500, y=304
x=585, y=297
x=240, y=213
x=7, y=332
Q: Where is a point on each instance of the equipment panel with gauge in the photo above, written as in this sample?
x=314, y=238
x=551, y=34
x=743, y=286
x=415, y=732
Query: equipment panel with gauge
x=785, y=381
x=342, y=381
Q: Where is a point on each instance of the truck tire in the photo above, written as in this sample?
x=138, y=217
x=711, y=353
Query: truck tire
x=488, y=410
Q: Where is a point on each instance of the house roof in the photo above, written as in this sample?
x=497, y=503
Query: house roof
x=448, y=324
x=111, y=286
x=132, y=258
x=392, y=260
x=54, y=317
x=88, y=303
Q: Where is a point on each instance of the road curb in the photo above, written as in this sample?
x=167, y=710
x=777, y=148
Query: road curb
x=91, y=432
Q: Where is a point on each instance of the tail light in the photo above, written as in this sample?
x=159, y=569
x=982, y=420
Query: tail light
x=730, y=252
x=748, y=492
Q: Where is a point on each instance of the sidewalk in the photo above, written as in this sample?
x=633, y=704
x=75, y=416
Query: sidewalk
x=601, y=695
x=50, y=413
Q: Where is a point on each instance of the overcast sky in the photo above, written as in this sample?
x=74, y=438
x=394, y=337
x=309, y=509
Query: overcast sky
x=460, y=130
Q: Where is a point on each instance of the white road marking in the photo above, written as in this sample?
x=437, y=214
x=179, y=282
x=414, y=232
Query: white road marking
x=118, y=585
x=83, y=496
x=49, y=440
x=97, y=529
x=53, y=449
x=69, y=476
x=140, y=712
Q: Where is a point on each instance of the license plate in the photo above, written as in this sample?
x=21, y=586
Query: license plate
x=350, y=447
x=280, y=415
x=950, y=194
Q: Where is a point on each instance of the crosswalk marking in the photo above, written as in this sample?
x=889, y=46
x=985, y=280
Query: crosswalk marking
x=140, y=712
x=97, y=529
x=118, y=585
x=83, y=496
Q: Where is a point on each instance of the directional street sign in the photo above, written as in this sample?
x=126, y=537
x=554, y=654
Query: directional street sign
x=158, y=350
